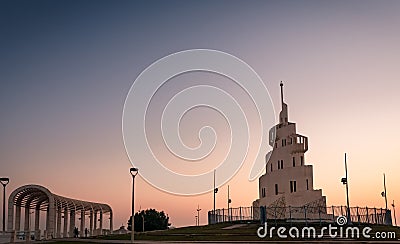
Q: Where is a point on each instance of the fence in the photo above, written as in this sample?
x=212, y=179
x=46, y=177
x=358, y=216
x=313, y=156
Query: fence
x=301, y=214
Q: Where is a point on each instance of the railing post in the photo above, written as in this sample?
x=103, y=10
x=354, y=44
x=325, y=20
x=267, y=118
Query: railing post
x=358, y=216
x=305, y=215
x=367, y=215
x=240, y=213
x=319, y=215
x=333, y=213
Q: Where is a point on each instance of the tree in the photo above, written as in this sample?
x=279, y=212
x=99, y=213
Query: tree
x=153, y=220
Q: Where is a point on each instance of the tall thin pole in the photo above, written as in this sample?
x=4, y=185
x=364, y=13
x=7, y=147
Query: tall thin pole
x=347, y=189
x=134, y=172
x=228, y=204
x=133, y=211
x=4, y=181
x=198, y=214
x=215, y=216
x=384, y=187
x=4, y=208
x=394, y=212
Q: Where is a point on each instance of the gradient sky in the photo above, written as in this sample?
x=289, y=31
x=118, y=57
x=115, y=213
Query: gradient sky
x=67, y=66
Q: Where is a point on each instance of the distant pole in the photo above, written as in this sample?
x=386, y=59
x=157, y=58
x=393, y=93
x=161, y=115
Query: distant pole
x=4, y=181
x=215, y=215
x=143, y=221
x=198, y=214
x=215, y=191
x=347, y=190
x=384, y=188
x=134, y=172
x=228, y=204
x=394, y=212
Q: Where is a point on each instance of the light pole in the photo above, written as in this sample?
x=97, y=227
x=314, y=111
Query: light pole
x=143, y=221
x=229, y=201
x=215, y=192
x=394, y=212
x=134, y=172
x=346, y=182
x=384, y=191
x=198, y=215
x=4, y=181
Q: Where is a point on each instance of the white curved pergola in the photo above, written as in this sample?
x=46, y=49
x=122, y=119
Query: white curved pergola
x=39, y=198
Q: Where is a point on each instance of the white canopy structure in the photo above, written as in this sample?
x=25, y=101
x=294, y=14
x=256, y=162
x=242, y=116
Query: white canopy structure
x=39, y=198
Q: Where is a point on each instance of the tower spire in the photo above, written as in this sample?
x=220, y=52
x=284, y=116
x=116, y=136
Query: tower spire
x=283, y=115
x=281, y=93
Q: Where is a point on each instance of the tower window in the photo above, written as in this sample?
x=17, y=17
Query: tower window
x=301, y=160
x=307, y=184
x=292, y=186
x=276, y=189
x=263, y=192
x=271, y=167
x=280, y=164
x=294, y=162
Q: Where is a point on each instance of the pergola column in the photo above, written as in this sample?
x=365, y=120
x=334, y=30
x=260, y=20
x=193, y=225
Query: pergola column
x=65, y=233
x=52, y=218
x=10, y=223
x=59, y=222
x=26, y=223
x=71, y=223
x=17, y=218
x=95, y=221
x=82, y=223
x=101, y=222
x=111, y=222
x=37, y=221
x=91, y=223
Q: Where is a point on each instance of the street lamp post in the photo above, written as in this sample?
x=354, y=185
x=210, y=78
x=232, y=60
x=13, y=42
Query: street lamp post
x=198, y=215
x=134, y=172
x=384, y=191
x=394, y=212
x=229, y=201
x=143, y=221
x=346, y=182
x=4, y=181
x=215, y=192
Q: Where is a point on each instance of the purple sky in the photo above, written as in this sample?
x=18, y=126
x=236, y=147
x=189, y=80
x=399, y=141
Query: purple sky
x=67, y=66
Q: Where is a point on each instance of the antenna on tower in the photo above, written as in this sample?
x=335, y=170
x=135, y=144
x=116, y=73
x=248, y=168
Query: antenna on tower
x=281, y=93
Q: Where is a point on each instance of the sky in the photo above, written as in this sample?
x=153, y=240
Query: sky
x=66, y=68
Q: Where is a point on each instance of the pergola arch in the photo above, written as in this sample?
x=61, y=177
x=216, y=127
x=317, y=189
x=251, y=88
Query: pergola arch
x=39, y=198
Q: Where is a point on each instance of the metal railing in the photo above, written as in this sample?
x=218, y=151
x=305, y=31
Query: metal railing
x=301, y=214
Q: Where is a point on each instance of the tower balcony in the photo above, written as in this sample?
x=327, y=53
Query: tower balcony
x=300, y=144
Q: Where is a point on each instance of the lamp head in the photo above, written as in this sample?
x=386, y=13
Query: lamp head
x=4, y=181
x=134, y=171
